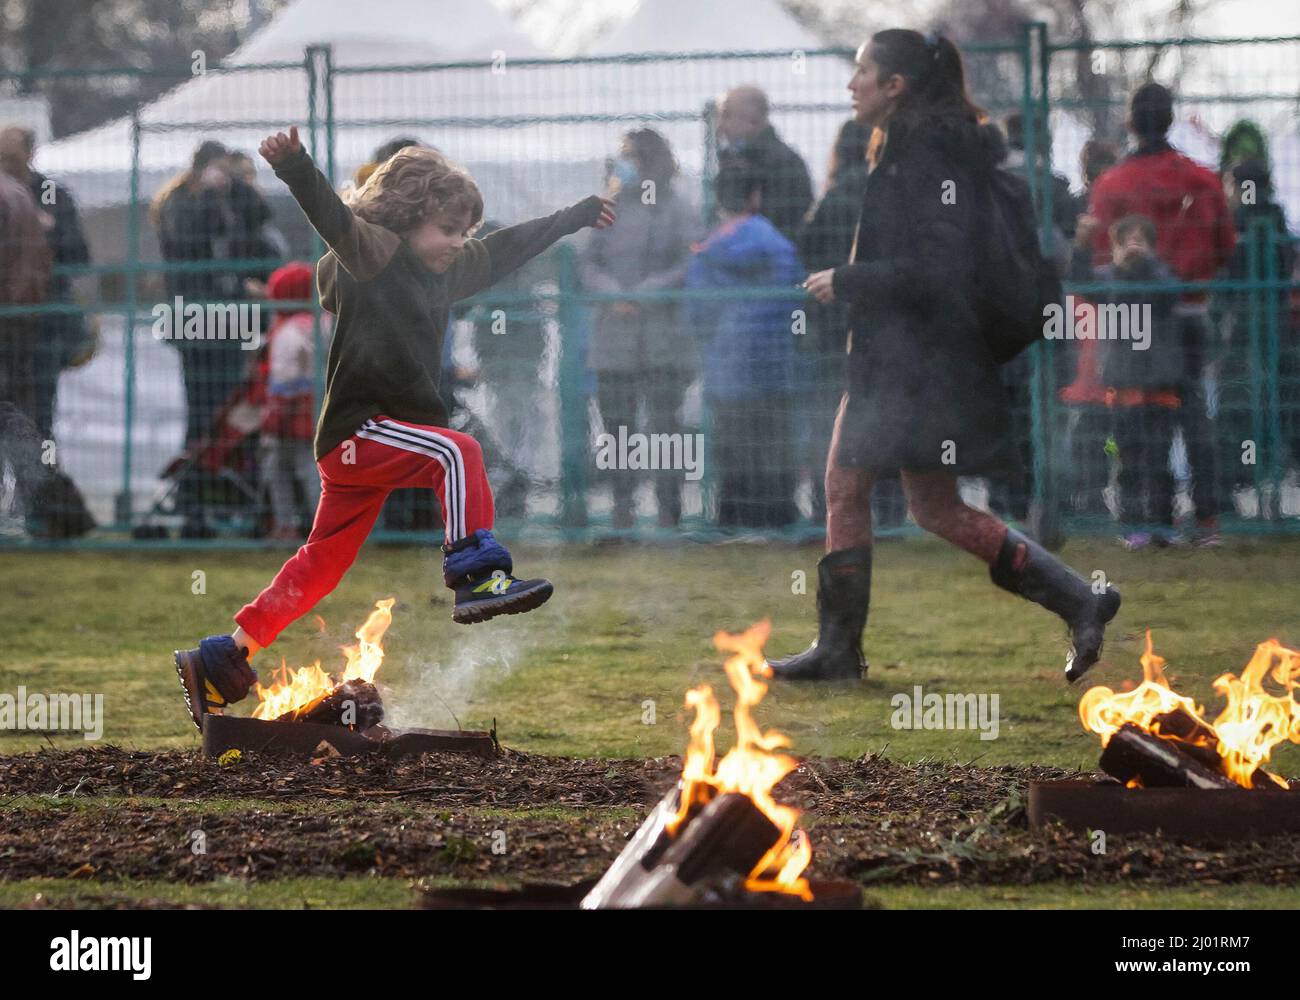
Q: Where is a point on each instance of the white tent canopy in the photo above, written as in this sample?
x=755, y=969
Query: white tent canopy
x=719, y=25
x=388, y=31
x=96, y=164
x=535, y=136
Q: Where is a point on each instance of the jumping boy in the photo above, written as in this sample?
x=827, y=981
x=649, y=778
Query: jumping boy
x=397, y=260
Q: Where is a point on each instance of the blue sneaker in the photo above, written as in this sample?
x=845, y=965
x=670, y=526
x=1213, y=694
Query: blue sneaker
x=213, y=675
x=479, y=569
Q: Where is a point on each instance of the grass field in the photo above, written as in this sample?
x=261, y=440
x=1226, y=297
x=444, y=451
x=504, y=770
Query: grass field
x=601, y=670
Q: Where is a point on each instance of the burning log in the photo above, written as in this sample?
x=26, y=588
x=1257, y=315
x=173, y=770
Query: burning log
x=1198, y=740
x=1191, y=735
x=710, y=857
x=1185, y=764
x=728, y=838
x=1157, y=763
x=354, y=704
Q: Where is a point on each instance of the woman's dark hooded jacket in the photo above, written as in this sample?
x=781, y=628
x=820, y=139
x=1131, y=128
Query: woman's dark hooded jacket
x=923, y=389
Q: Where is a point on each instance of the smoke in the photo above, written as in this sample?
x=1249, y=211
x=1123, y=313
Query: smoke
x=21, y=469
x=438, y=694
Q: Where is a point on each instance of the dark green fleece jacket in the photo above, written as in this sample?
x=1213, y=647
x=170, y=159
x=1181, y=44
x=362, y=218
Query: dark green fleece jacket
x=392, y=311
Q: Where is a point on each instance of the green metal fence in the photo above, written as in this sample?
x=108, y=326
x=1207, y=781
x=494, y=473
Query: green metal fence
x=536, y=134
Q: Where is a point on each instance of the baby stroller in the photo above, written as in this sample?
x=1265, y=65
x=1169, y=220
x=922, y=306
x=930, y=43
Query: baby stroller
x=221, y=468
x=416, y=510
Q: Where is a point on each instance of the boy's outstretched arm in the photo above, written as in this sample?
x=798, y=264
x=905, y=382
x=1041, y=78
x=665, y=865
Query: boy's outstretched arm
x=484, y=262
x=363, y=248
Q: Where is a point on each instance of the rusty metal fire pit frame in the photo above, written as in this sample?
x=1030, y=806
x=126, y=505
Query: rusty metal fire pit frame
x=828, y=894
x=1191, y=814
x=300, y=739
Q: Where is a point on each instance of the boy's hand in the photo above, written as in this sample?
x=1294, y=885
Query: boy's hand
x=607, y=215
x=278, y=148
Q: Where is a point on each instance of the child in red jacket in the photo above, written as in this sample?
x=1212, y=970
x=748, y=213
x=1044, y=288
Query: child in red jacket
x=398, y=258
x=288, y=417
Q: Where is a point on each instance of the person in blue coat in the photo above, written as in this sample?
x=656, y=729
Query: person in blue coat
x=752, y=371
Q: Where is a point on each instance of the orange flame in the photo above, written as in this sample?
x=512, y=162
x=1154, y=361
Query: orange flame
x=1254, y=721
x=1104, y=711
x=751, y=767
x=292, y=689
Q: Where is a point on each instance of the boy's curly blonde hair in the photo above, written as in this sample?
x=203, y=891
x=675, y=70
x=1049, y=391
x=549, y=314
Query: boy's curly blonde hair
x=413, y=185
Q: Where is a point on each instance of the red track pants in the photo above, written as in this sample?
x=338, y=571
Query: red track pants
x=356, y=478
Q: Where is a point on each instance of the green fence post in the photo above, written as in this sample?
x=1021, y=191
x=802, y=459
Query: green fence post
x=1272, y=368
x=1030, y=134
x=708, y=209
x=1044, y=66
x=1256, y=351
x=573, y=401
x=709, y=119
x=1044, y=511
x=1049, y=511
x=1028, y=112
x=122, y=513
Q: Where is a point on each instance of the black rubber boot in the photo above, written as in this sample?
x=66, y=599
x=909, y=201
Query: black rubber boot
x=843, y=596
x=1024, y=567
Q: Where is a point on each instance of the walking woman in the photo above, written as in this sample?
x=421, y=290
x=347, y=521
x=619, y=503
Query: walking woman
x=923, y=393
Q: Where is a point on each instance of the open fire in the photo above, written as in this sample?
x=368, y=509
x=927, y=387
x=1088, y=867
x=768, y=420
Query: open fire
x=1175, y=770
x=1235, y=745
x=304, y=710
x=293, y=693
x=719, y=837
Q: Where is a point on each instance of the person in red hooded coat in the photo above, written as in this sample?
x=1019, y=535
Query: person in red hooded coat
x=1196, y=236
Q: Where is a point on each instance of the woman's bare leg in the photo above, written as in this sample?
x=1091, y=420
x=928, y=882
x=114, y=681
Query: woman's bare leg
x=939, y=509
x=848, y=498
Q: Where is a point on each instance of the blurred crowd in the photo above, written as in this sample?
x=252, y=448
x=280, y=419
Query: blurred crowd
x=768, y=365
